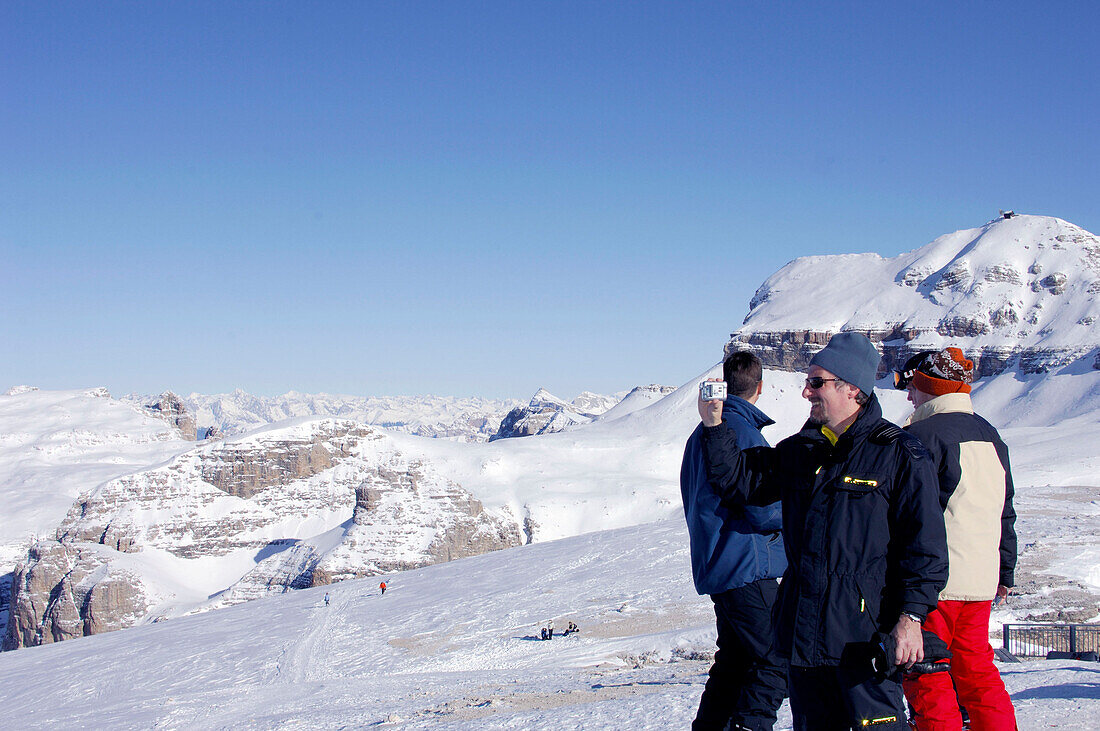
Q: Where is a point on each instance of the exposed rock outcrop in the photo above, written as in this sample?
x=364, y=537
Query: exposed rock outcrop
x=172, y=409
x=394, y=504
x=66, y=591
x=245, y=470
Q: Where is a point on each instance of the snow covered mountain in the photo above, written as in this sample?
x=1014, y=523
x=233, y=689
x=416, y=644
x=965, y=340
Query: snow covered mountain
x=310, y=501
x=545, y=413
x=292, y=506
x=1020, y=291
x=445, y=417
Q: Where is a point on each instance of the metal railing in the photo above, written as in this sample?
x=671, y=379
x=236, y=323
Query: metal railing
x=1036, y=640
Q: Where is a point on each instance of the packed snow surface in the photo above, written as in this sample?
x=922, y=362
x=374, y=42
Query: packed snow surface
x=452, y=646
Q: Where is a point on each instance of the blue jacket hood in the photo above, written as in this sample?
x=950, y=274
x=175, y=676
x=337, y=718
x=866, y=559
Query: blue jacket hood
x=735, y=407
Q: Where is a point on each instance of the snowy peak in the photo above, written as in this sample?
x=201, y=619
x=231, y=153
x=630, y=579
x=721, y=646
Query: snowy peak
x=546, y=413
x=543, y=399
x=172, y=409
x=1024, y=289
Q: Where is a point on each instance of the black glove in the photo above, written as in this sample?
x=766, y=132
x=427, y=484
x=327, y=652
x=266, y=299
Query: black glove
x=937, y=658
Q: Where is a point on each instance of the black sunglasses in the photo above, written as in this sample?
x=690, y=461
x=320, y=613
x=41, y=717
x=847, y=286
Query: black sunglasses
x=816, y=382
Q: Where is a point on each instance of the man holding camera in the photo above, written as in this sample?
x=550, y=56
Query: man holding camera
x=975, y=482
x=736, y=556
x=864, y=534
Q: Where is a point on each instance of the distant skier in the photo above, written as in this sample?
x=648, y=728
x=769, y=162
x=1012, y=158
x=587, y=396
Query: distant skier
x=570, y=629
x=544, y=635
x=382, y=586
x=326, y=598
x=550, y=630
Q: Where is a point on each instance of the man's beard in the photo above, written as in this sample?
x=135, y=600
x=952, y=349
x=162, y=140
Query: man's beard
x=817, y=414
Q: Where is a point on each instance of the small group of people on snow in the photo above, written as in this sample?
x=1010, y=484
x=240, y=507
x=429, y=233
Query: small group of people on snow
x=892, y=544
x=547, y=631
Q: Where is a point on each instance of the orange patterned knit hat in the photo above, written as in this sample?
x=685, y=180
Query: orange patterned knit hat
x=948, y=371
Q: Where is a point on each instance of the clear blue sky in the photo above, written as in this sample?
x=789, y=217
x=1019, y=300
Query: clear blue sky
x=474, y=198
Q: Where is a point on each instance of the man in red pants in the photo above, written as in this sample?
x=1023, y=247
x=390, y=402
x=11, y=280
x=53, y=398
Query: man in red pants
x=976, y=495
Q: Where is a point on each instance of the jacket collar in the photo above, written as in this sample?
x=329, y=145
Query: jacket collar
x=737, y=406
x=868, y=417
x=949, y=403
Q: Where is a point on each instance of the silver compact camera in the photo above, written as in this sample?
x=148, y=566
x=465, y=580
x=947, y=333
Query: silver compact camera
x=712, y=390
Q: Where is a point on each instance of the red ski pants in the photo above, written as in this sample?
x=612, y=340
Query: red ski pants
x=964, y=626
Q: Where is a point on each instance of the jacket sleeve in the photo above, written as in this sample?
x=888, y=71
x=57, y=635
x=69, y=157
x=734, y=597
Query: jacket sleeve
x=739, y=476
x=1008, y=524
x=917, y=534
x=763, y=519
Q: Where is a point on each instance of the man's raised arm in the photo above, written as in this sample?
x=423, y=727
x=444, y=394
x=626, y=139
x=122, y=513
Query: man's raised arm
x=739, y=476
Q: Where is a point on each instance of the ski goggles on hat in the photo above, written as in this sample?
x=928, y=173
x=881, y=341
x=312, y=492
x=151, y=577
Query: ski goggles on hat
x=904, y=377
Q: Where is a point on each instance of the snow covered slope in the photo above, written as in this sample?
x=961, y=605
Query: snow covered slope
x=638, y=398
x=452, y=646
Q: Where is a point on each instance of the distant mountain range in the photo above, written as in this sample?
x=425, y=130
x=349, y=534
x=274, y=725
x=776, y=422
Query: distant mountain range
x=441, y=417
x=446, y=417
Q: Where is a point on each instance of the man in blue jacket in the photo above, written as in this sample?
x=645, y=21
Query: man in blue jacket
x=736, y=556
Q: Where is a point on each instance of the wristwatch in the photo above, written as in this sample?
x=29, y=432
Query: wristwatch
x=915, y=617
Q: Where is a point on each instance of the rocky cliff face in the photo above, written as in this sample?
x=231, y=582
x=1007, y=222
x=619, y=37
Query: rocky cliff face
x=297, y=506
x=1018, y=292
x=172, y=409
x=66, y=591
x=389, y=526
x=56, y=445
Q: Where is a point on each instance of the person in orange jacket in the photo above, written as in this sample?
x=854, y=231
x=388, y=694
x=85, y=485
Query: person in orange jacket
x=382, y=586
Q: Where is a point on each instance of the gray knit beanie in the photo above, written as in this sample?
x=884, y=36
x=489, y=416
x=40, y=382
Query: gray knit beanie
x=851, y=357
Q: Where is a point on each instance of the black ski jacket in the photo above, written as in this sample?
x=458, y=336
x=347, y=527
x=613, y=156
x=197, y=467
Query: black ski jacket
x=862, y=524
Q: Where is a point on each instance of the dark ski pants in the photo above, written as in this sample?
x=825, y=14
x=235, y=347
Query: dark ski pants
x=748, y=680
x=849, y=696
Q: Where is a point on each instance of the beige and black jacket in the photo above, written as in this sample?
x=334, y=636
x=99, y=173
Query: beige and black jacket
x=975, y=493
